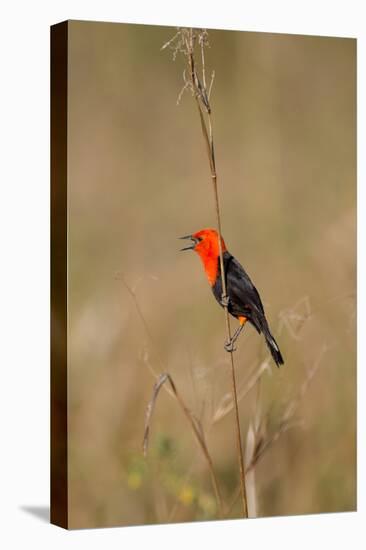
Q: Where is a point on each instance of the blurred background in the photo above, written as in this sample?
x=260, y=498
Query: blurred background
x=284, y=115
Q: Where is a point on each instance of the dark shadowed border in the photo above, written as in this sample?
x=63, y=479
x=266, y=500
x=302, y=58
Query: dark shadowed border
x=59, y=493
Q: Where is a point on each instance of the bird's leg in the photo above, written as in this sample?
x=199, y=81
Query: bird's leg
x=229, y=346
x=224, y=300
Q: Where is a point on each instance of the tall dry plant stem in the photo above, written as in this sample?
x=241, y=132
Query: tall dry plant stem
x=201, y=95
x=173, y=392
x=196, y=428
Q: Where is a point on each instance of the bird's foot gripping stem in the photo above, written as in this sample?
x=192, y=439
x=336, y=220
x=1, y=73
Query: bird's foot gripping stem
x=229, y=345
x=224, y=300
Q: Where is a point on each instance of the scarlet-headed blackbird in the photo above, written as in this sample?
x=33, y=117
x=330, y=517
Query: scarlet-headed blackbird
x=243, y=300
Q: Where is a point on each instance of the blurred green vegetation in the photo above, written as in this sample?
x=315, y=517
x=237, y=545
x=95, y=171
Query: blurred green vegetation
x=284, y=113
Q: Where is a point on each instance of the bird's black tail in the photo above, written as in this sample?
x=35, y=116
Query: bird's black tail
x=273, y=347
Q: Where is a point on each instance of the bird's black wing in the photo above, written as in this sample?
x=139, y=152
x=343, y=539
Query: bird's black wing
x=240, y=285
x=244, y=299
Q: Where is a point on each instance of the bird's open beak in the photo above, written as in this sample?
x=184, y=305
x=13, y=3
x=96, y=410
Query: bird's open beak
x=191, y=246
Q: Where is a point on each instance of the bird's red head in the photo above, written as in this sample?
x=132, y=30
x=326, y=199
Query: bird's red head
x=206, y=244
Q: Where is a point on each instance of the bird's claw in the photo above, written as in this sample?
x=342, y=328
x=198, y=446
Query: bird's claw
x=229, y=346
x=224, y=300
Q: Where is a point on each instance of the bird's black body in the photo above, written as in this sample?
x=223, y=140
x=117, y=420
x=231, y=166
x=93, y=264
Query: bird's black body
x=244, y=300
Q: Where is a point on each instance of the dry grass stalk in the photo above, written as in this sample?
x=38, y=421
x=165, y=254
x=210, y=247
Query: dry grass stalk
x=185, y=41
x=264, y=441
x=195, y=425
x=172, y=391
x=226, y=404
